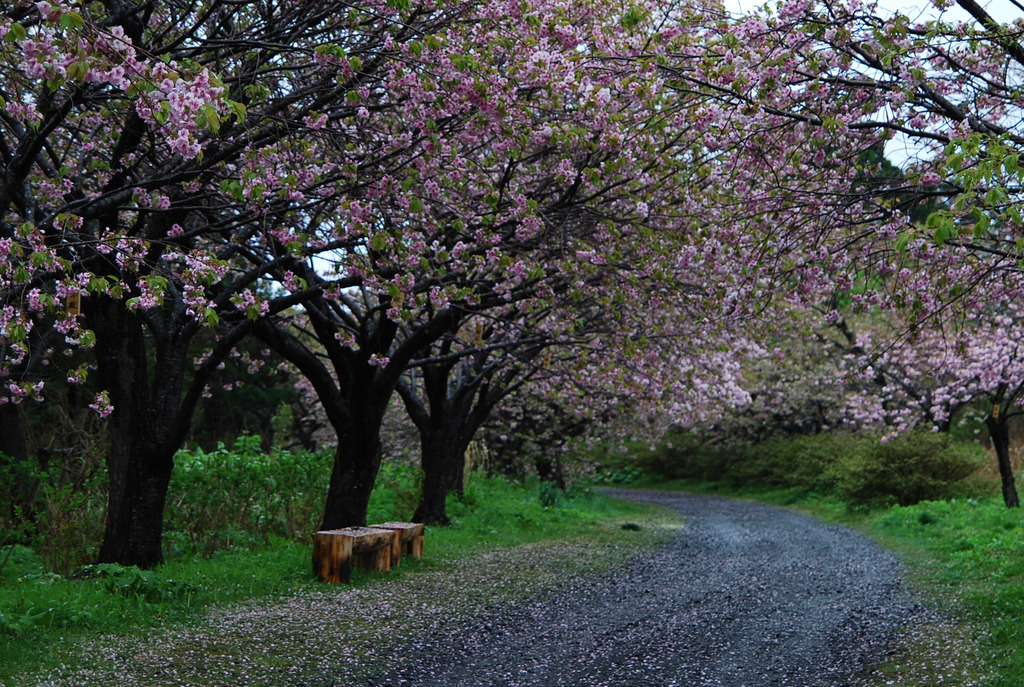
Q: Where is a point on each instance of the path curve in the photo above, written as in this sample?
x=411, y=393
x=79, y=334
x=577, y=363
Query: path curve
x=745, y=595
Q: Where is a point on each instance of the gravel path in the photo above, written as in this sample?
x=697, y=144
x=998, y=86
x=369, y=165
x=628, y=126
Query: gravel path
x=745, y=595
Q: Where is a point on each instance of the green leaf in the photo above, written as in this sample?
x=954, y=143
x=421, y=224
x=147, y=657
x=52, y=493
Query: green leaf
x=416, y=205
x=1011, y=163
x=238, y=109
x=904, y=240
x=633, y=17
x=981, y=225
x=208, y=115
x=71, y=20
x=72, y=71
x=995, y=196
x=16, y=32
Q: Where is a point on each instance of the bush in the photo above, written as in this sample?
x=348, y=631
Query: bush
x=680, y=456
x=242, y=497
x=241, y=494
x=922, y=466
x=863, y=470
x=803, y=462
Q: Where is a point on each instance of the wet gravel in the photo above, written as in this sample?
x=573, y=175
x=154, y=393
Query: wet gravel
x=744, y=595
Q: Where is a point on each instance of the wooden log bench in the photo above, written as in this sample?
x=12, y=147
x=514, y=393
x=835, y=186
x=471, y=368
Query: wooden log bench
x=409, y=540
x=335, y=551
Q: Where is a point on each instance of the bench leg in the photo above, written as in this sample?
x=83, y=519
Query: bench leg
x=378, y=560
x=414, y=547
x=332, y=559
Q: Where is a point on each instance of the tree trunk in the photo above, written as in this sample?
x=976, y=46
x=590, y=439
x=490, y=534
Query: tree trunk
x=550, y=470
x=444, y=459
x=999, y=431
x=142, y=435
x=356, y=464
x=355, y=397
x=135, y=507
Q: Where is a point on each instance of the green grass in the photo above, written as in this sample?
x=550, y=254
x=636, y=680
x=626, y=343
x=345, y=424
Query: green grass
x=967, y=556
x=48, y=621
x=40, y=612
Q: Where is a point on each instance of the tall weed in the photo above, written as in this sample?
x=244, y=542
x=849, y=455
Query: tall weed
x=242, y=495
x=55, y=505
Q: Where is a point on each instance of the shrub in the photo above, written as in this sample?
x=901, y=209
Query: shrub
x=240, y=494
x=680, y=456
x=803, y=462
x=918, y=467
x=863, y=470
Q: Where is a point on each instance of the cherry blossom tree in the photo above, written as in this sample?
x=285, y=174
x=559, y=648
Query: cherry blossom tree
x=452, y=390
x=534, y=183
x=953, y=283
x=949, y=367
x=143, y=145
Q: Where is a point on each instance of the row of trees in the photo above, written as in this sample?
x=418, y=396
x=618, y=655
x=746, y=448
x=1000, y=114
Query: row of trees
x=454, y=202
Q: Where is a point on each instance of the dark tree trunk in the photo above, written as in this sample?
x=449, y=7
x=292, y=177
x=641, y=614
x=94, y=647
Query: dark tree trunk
x=135, y=505
x=549, y=469
x=348, y=497
x=12, y=438
x=999, y=431
x=433, y=506
x=356, y=464
x=354, y=400
x=444, y=461
x=143, y=432
x=447, y=417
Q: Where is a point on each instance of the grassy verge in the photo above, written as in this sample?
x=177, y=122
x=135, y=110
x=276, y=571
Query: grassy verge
x=255, y=615
x=964, y=558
